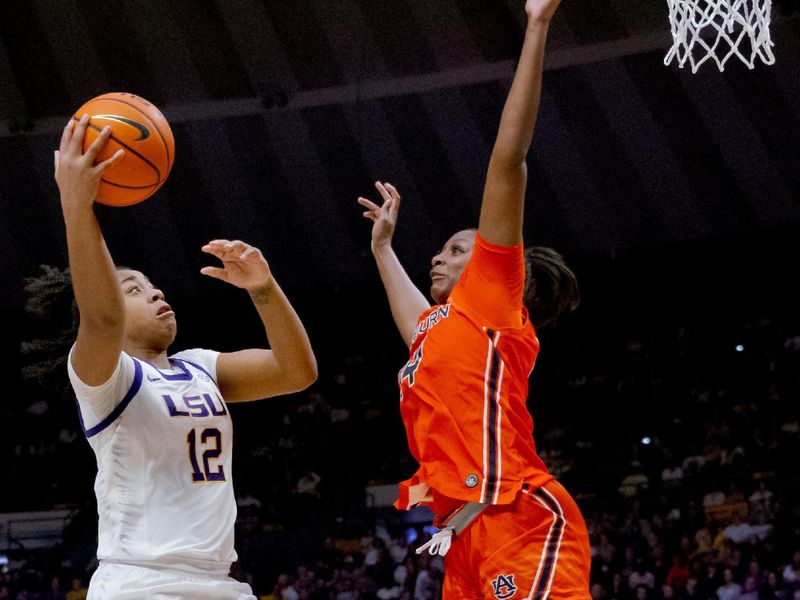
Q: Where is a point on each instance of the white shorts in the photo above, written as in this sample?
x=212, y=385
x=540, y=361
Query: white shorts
x=121, y=581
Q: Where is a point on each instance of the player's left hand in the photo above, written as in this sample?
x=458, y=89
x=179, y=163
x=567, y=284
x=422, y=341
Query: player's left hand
x=243, y=265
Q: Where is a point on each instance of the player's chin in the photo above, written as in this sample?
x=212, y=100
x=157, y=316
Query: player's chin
x=439, y=291
x=167, y=329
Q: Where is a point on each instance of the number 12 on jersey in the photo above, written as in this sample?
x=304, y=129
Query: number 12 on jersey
x=212, y=438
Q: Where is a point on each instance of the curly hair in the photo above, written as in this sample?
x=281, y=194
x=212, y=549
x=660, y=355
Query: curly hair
x=551, y=287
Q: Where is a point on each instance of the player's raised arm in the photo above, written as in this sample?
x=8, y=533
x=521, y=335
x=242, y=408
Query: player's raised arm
x=101, y=329
x=407, y=303
x=289, y=365
x=504, y=193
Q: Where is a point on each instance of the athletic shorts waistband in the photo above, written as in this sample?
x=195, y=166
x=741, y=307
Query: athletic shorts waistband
x=200, y=568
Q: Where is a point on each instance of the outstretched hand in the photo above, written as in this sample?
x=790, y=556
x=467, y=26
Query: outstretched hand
x=383, y=217
x=541, y=10
x=243, y=265
x=76, y=173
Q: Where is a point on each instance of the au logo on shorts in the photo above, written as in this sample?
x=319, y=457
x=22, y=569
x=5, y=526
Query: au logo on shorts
x=471, y=481
x=504, y=587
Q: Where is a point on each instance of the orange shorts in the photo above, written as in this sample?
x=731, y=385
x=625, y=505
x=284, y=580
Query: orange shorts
x=533, y=549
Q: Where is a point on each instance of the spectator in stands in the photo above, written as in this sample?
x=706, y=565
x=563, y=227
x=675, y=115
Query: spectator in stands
x=749, y=589
x=762, y=504
x=735, y=495
x=678, y=574
x=429, y=579
x=791, y=572
x=347, y=590
x=672, y=477
x=694, y=463
x=284, y=590
x=78, y=591
x=729, y=590
x=398, y=549
x=641, y=576
x=597, y=591
x=394, y=588
x=306, y=582
x=659, y=562
x=754, y=571
x=307, y=484
x=719, y=547
x=770, y=589
x=715, y=498
x=344, y=577
x=642, y=592
x=709, y=581
x=740, y=531
x=603, y=552
x=618, y=588
x=54, y=592
x=704, y=541
x=635, y=482
x=667, y=592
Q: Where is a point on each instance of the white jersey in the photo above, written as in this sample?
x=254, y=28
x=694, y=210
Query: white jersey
x=163, y=441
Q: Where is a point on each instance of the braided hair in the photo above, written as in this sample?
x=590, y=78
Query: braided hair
x=551, y=287
x=51, y=303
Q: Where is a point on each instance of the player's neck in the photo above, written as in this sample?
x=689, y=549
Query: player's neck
x=156, y=358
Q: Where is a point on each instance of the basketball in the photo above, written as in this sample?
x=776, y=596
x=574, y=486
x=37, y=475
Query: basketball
x=139, y=128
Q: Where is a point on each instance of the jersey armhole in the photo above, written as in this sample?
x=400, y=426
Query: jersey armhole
x=119, y=408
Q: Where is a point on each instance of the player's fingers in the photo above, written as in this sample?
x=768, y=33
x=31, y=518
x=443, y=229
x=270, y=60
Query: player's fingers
x=386, y=209
x=370, y=215
x=233, y=250
x=110, y=162
x=392, y=190
x=382, y=190
x=215, y=272
x=236, y=246
x=97, y=145
x=394, y=206
x=251, y=253
x=222, y=246
x=213, y=249
x=368, y=204
x=66, y=135
x=78, y=131
x=217, y=243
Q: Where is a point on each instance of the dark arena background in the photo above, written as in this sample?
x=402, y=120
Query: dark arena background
x=667, y=404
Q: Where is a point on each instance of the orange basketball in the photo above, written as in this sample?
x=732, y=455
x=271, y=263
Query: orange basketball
x=143, y=133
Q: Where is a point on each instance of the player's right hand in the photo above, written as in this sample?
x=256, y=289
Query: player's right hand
x=541, y=10
x=383, y=217
x=77, y=176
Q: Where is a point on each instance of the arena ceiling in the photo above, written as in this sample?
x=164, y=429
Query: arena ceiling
x=284, y=111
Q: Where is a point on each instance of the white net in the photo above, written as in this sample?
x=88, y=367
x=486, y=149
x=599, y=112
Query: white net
x=717, y=30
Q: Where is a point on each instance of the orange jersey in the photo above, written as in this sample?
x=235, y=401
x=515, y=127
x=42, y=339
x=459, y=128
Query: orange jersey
x=464, y=388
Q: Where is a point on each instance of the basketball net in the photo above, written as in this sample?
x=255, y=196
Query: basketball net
x=717, y=30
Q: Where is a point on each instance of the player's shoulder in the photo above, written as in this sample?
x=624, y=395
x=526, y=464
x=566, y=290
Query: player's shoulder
x=190, y=353
x=125, y=369
x=201, y=358
x=491, y=250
